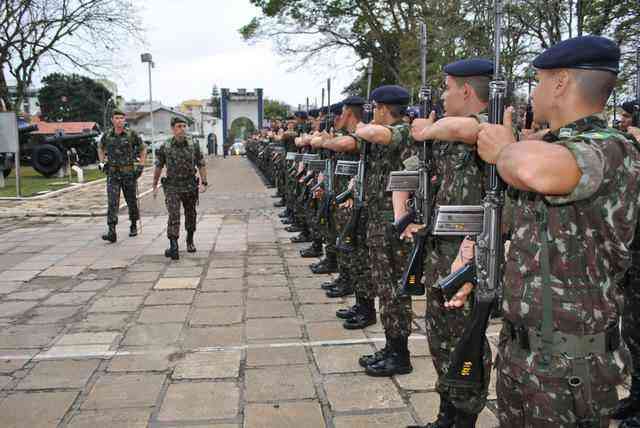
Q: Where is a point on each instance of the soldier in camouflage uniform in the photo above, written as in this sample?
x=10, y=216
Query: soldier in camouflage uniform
x=182, y=157
x=574, y=217
x=460, y=182
x=118, y=151
x=390, y=143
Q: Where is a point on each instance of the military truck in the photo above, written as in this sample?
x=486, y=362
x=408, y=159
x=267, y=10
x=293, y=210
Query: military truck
x=48, y=153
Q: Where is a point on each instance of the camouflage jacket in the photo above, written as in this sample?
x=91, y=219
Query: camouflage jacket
x=381, y=161
x=181, y=159
x=121, y=149
x=589, y=232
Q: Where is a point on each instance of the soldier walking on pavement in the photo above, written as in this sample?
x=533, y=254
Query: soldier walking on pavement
x=118, y=151
x=182, y=157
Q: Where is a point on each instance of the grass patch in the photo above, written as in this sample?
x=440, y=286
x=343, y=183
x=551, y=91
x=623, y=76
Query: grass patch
x=33, y=183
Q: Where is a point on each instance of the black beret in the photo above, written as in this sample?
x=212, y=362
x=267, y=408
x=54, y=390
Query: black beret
x=301, y=114
x=629, y=106
x=175, y=120
x=469, y=67
x=391, y=94
x=336, y=108
x=586, y=52
x=324, y=110
x=117, y=112
x=313, y=112
x=354, y=101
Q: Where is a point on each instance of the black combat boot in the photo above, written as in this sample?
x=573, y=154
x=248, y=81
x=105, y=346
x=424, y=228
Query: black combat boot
x=396, y=362
x=630, y=406
x=293, y=228
x=465, y=420
x=367, y=360
x=133, y=229
x=191, y=248
x=315, y=250
x=446, y=416
x=279, y=204
x=350, y=312
x=172, y=251
x=302, y=238
x=343, y=290
x=111, y=234
x=364, y=317
x=286, y=221
x=337, y=282
x=285, y=214
x=327, y=265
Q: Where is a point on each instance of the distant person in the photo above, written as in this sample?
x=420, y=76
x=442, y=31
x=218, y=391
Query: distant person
x=118, y=150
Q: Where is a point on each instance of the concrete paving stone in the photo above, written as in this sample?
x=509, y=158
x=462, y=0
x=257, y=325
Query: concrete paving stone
x=131, y=289
x=205, y=300
x=70, y=299
x=269, y=293
x=94, y=338
x=216, y=316
x=19, y=275
x=323, y=331
x=269, y=309
x=278, y=383
x=57, y=270
x=265, y=270
x=223, y=273
x=296, y=261
x=27, y=336
x=304, y=271
x=265, y=260
x=28, y=295
x=263, y=252
x=273, y=328
x=223, y=284
x=9, y=287
x=35, y=410
x=192, y=401
x=315, y=296
x=202, y=337
x=116, y=304
x=121, y=418
x=112, y=391
x=487, y=419
x=361, y=392
x=5, y=381
x=110, y=264
x=15, y=308
x=218, y=263
x=59, y=374
x=152, y=334
x=309, y=283
x=140, y=277
x=280, y=356
x=266, y=281
x=148, y=359
x=423, y=377
x=100, y=322
x=284, y=415
x=163, y=314
x=426, y=405
x=381, y=420
x=176, y=283
x=340, y=359
x=170, y=297
x=76, y=260
x=208, y=365
x=183, y=272
x=418, y=346
x=12, y=360
x=325, y=312
x=145, y=267
x=102, y=351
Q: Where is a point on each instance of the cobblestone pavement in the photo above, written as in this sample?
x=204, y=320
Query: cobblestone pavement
x=236, y=335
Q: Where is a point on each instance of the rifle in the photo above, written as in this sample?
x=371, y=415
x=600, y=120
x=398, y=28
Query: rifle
x=350, y=169
x=467, y=371
x=423, y=190
x=348, y=238
x=528, y=116
x=635, y=119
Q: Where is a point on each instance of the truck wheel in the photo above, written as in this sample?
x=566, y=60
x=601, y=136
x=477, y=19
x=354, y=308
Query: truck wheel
x=47, y=159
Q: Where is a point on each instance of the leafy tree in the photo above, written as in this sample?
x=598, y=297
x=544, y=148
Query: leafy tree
x=275, y=109
x=71, y=97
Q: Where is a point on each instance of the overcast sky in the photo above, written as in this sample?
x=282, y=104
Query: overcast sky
x=196, y=44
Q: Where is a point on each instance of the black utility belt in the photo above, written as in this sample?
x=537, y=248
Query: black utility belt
x=571, y=345
x=179, y=180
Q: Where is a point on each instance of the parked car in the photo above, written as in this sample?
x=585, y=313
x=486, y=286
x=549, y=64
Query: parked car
x=238, y=149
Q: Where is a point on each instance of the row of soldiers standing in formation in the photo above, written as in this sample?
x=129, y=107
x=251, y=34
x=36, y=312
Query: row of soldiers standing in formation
x=570, y=218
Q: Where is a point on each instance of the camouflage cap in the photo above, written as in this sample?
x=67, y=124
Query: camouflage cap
x=175, y=120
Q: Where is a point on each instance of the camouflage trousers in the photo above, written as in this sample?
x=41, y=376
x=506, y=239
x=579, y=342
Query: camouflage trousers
x=387, y=255
x=328, y=232
x=356, y=264
x=173, y=200
x=631, y=323
x=445, y=326
x=126, y=184
x=530, y=395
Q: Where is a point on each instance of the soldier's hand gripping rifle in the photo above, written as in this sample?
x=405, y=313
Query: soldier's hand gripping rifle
x=324, y=167
x=466, y=371
x=422, y=203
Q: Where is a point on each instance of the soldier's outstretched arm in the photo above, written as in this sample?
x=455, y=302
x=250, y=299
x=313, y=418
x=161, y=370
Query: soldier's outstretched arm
x=341, y=144
x=462, y=129
x=375, y=134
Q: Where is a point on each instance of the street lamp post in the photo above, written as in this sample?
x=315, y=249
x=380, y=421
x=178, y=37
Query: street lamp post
x=146, y=57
